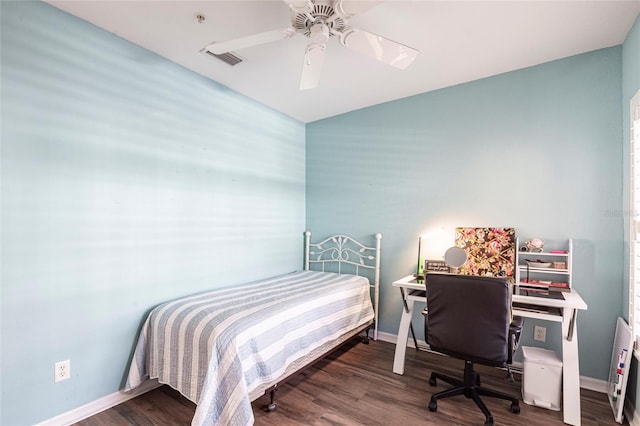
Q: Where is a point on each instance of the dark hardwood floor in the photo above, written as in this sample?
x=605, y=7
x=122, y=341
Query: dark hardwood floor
x=355, y=386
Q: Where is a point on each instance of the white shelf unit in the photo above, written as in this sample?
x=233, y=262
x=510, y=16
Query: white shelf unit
x=543, y=277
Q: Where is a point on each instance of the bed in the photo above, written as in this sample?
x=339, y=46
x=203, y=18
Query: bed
x=224, y=348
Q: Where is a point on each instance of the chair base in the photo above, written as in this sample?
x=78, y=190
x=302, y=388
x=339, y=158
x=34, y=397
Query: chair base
x=470, y=388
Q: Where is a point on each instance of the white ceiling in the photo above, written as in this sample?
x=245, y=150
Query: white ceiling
x=459, y=41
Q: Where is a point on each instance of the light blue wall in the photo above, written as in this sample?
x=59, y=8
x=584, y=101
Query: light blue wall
x=126, y=181
x=537, y=149
x=630, y=85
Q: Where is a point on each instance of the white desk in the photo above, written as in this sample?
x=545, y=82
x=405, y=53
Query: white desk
x=567, y=310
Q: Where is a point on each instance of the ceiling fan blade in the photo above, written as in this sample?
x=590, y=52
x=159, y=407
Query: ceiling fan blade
x=313, y=59
x=349, y=8
x=302, y=6
x=377, y=47
x=221, y=47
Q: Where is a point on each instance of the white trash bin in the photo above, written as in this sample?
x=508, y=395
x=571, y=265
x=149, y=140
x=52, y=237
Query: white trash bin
x=542, y=378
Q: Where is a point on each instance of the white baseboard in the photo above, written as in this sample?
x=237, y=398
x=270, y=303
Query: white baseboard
x=589, y=383
x=388, y=337
x=99, y=405
x=596, y=385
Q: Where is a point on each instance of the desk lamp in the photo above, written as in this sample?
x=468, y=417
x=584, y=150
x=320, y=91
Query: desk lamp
x=429, y=235
x=420, y=267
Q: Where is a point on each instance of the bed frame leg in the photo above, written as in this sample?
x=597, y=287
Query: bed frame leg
x=365, y=338
x=272, y=405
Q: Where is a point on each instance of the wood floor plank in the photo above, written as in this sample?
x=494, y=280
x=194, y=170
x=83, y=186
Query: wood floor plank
x=355, y=386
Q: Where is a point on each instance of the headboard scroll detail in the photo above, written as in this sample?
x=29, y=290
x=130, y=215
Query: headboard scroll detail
x=342, y=249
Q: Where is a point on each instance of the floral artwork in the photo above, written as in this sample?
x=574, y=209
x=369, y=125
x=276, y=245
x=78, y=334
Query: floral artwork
x=490, y=251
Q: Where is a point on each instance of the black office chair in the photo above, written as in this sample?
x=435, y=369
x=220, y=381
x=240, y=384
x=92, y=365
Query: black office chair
x=515, y=330
x=469, y=318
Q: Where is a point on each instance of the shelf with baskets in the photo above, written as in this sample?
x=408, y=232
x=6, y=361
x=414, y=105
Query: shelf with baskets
x=547, y=270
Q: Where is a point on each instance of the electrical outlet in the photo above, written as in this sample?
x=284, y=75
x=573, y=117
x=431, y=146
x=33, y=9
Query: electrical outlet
x=61, y=371
x=539, y=333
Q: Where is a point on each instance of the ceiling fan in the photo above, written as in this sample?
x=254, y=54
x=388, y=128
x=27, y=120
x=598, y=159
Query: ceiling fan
x=319, y=20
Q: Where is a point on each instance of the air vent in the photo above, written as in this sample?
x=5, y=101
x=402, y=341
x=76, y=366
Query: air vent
x=228, y=58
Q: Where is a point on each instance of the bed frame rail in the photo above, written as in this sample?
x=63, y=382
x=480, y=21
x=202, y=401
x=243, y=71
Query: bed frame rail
x=339, y=250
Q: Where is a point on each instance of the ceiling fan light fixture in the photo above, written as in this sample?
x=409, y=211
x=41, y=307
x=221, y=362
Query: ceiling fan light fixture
x=319, y=33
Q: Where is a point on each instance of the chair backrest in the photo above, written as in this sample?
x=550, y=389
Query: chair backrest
x=468, y=317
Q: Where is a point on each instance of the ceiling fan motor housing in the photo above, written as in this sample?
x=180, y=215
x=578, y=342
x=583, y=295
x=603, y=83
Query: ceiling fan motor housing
x=322, y=13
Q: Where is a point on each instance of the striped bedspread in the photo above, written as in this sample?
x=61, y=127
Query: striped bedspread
x=224, y=348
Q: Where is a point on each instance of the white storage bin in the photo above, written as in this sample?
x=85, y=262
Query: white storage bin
x=542, y=378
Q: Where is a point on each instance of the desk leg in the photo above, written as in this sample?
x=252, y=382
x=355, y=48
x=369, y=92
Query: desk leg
x=403, y=335
x=570, y=370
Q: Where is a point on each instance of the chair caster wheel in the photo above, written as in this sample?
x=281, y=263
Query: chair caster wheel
x=515, y=408
x=433, y=406
x=271, y=407
x=432, y=381
x=489, y=422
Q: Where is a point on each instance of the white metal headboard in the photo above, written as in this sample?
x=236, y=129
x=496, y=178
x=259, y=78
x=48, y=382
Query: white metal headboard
x=342, y=249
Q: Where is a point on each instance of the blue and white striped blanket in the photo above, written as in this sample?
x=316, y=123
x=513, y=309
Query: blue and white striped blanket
x=224, y=348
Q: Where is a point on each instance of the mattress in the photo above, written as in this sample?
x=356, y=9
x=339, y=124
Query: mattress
x=223, y=348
